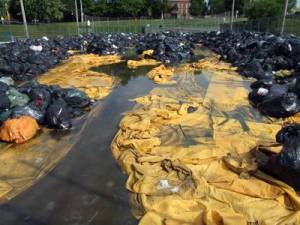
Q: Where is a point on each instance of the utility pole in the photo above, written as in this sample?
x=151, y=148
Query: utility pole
x=232, y=14
x=76, y=14
x=284, y=15
x=162, y=10
x=81, y=11
x=24, y=19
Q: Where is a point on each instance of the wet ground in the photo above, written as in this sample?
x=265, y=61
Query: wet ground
x=87, y=187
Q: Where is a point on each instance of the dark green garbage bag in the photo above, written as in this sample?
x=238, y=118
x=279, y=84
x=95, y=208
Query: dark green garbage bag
x=16, y=98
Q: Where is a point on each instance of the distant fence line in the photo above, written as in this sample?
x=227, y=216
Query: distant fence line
x=269, y=24
x=12, y=31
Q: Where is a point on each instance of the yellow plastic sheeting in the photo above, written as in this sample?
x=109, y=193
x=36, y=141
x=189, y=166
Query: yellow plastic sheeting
x=133, y=64
x=209, y=63
x=196, y=168
x=22, y=165
x=161, y=74
x=146, y=53
x=75, y=72
x=283, y=73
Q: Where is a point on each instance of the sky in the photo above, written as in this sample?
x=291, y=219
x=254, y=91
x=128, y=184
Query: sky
x=298, y=3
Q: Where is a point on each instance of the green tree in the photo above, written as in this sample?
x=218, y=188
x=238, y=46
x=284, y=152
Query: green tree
x=99, y=8
x=239, y=5
x=166, y=7
x=216, y=6
x=153, y=8
x=197, y=7
x=3, y=8
x=128, y=7
x=267, y=8
x=43, y=10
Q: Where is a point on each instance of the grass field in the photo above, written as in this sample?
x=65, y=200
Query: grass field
x=136, y=26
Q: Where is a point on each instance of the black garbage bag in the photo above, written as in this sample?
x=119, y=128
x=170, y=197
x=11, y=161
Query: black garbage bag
x=16, y=98
x=4, y=101
x=76, y=112
x=29, y=110
x=285, y=165
x=41, y=96
x=266, y=92
x=4, y=115
x=256, y=96
x=281, y=106
x=289, y=136
x=297, y=87
x=254, y=69
x=3, y=87
x=262, y=83
x=58, y=115
x=76, y=98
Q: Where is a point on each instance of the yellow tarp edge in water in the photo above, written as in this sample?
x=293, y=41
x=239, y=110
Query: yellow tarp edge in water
x=75, y=72
x=195, y=167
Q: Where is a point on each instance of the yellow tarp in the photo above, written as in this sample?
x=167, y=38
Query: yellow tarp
x=133, y=64
x=161, y=74
x=196, y=168
x=75, y=72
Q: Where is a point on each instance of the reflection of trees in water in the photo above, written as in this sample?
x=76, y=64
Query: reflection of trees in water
x=122, y=71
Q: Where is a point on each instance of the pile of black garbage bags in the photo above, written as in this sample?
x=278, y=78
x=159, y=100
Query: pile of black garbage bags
x=272, y=60
x=169, y=47
x=108, y=44
x=51, y=106
x=25, y=59
x=286, y=164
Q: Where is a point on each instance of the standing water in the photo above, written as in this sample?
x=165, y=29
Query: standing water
x=87, y=186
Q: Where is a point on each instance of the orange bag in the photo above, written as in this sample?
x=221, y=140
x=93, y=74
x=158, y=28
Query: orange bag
x=18, y=130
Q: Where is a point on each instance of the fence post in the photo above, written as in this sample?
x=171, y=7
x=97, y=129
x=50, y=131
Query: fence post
x=24, y=19
x=284, y=15
x=107, y=20
x=232, y=14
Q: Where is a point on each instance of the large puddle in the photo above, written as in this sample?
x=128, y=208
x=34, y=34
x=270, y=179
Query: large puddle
x=87, y=186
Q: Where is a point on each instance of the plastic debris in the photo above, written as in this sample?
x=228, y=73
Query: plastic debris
x=18, y=130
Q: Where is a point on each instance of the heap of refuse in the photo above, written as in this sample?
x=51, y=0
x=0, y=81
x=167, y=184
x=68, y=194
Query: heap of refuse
x=272, y=60
x=51, y=106
x=109, y=44
x=25, y=60
x=282, y=160
x=169, y=47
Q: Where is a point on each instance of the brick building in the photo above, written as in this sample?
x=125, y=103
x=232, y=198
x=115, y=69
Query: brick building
x=182, y=8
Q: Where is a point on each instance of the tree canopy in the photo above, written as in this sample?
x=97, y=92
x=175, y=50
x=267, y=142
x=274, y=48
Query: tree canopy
x=216, y=6
x=198, y=7
x=55, y=10
x=267, y=8
x=44, y=10
x=3, y=7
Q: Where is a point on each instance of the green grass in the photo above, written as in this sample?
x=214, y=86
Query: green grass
x=292, y=26
x=136, y=26
x=273, y=25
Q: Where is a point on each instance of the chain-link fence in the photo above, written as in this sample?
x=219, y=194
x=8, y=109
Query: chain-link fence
x=12, y=31
x=99, y=24
x=270, y=24
x=15, y=30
